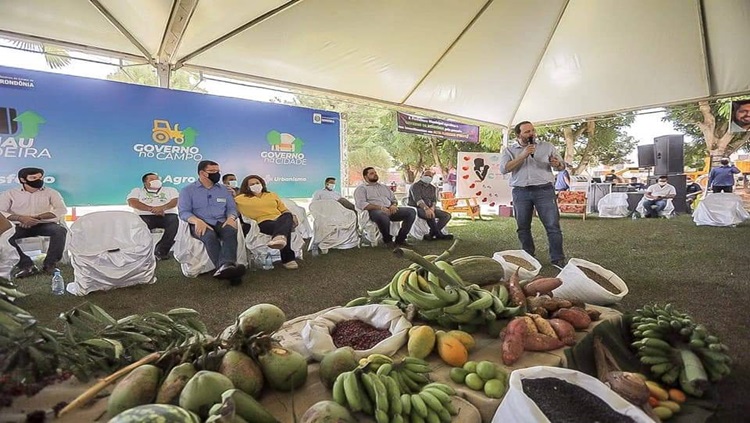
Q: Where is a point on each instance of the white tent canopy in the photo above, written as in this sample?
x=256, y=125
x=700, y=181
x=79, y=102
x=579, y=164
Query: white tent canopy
x=496, y=61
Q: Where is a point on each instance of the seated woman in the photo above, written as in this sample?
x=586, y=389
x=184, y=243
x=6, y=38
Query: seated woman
x=266, y=208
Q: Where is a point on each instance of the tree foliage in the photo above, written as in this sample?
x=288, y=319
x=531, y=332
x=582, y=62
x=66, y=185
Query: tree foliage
x=146, y=75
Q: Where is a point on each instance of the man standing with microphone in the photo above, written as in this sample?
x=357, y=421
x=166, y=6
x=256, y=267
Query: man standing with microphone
x=530, y=165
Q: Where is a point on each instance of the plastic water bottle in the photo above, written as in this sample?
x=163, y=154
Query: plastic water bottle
x=268, y=262
x=58, y=284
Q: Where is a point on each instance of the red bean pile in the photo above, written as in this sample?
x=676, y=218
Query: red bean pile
x=357, y=334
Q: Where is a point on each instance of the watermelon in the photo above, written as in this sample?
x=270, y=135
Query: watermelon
x=156, y=413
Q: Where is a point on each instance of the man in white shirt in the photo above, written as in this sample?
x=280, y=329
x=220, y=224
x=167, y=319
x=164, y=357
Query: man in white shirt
x=657, y=196
x=328, y=193
x=36, y=210
x=157, y=206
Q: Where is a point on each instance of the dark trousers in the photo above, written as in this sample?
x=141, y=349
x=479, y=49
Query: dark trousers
x=168, y=222
x=404, y=215
x=543, y=199
x=283, y=225
x=221, y=243
x=438, y=223
x=720, y=188
x=650, y=212
x=56, y=234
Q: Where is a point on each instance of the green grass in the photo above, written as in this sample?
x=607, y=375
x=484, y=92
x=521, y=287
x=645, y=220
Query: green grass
x=704, y=271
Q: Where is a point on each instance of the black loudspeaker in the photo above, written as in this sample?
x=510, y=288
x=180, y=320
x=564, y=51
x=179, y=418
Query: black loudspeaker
x=669, y=155
x=645, y=156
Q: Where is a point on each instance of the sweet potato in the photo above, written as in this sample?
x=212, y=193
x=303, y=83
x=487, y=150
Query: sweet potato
x=578, y=303
x=575, y=316
x=530, y=326
x=542, y=325
x=540, y=342
x=593, y=314
x=517, y=297
x=539, y=310
x=513, y=341
x=564, y=330
x=547, y=303
x=542, y=286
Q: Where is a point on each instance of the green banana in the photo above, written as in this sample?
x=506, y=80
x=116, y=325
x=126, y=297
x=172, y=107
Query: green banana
x=379, y=358
x=368, y=385
x=338, y=390
x=437, y=393
x=671, y=376
x=448, y=295
x=657, y=343
x=384, y=369
x=649, y=359
x=502, y=293
x=444, y=415
x=648, y=351
x=402, y=386
x=431, y=400
x=442, y=387
x=394, y=394
x=484, y=301
x=417, y=367
x=448, y=269
x=459, y=306
x=381, y=394
x=659, y=369
x=418, y=378
x=410, y=384
x=357, y=302
x=418, y=406
x=406, y=403
x=421, y=299
x=352, y=391
x=430, y=314
x=379, y=293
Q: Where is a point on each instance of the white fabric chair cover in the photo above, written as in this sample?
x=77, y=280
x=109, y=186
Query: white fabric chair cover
x=8, y=253
x=720, y=209
x=191, y=253
x=667, y=212
x=255, y=242
x=369, y=232
x=304, y=229
x=334, y=226
x=110, y=249
x=613, y=205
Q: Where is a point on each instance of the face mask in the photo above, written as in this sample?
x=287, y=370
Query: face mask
x=724, y=163
x=330, y=187
x=35, y=184
x=256, y=188
x=661, y=184
x=233, y=184
x=155, y=184
x=214, y=177
x=426, y=179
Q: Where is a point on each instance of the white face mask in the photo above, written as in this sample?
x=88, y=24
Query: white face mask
x=155, y=184
x=233, y=184
x=426, y=179
x=256, y=188
x=330, y=187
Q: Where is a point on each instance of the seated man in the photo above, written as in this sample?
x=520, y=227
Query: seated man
x=328, y=193
x=634, y=185
x=157, y=207
x=210, y=210
x=613, y=178
x=37, y=211
x=423, y=196
x=4, y=224
x=230, y=181
x=657, y=195
x=382, y=207
x=692, y=190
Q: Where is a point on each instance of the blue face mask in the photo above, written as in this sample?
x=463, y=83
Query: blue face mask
x=426, y=179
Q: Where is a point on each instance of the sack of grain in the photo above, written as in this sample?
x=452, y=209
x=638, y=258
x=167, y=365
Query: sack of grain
x=590, y=283
x=518, y=259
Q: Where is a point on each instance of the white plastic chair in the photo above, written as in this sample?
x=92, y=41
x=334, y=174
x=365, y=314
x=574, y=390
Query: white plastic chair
x=8, y=253
x=613, y=205
x=108, y=250
x=667, y=212
x=334, y=226
x=191, y=253
x=720, y=209
x=303, y=229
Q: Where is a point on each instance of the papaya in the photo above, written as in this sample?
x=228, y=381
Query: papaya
x=156, y=413
x=137, y=388
x=451, y=350
x=204, y=390
x=243, y=371
x=465, y=338
x=336, y=362
x=261, y=318
x=421, y=341
x=169, y=391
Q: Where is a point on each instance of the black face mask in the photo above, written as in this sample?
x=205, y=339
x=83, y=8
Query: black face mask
x=35, y=184
x=214, y=177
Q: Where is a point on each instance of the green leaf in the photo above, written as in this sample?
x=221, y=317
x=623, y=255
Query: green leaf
x=101, y=314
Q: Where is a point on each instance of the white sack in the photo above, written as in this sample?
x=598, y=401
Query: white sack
x=510, y=268
x=577, y=286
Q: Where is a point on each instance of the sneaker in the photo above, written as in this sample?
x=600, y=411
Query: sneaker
x=290, y=265
x=444, y=236
x=26, y=272
x=428, y=238
x=277, y=243
x=559, y=263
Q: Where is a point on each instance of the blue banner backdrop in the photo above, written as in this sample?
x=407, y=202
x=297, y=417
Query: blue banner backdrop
x=95, y=138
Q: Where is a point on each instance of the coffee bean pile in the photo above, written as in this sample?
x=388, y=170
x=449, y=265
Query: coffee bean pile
x=357, y=334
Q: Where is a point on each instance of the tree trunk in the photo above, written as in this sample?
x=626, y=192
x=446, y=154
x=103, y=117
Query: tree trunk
x=436, y=156
x=717, y=139
x=570, y=139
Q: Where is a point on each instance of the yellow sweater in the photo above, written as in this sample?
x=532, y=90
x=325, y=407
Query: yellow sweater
x=266, y=206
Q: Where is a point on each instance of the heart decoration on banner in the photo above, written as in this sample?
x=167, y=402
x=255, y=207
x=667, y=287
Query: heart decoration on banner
x=465, y=168
x=492, y=204
x=478, y=193
x=493, y=188
x=467, y=158
x=472, y=186
x=465, y=176
x=484, y=200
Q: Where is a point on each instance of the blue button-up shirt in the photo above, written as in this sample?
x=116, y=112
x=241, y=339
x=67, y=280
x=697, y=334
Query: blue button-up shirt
x=534, y=170
x=722, y=176
x=211, y=205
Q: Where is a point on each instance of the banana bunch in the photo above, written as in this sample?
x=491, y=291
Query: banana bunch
x=394, y=392
x=677, y=350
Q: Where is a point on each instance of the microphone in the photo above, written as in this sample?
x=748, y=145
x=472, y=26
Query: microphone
x=531, y=141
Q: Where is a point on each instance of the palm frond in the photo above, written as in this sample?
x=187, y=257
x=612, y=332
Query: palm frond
x=56, y=57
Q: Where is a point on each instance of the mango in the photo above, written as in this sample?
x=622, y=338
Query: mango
x=137, y=388
x=243, y=371
x=663, y=413
x=673, y=406
x=451, y=350
x=657, y=391
x=421, y=341
x=465, y=338
x=203, y=391
x=169, y=391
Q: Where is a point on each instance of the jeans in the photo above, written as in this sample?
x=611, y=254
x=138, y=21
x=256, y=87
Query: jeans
x=283, y=225
x=543, y=198
x=660, y=205
x=719, y=188
x=221, y=243
x=170, y=223
x=56, y=234
x=383, y=220
x=438, y=223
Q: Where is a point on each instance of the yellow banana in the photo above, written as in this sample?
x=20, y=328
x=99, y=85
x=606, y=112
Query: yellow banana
x=423, y=284
x=413, y=281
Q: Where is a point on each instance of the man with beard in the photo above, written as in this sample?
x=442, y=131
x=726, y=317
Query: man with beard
x=209, y=208
x=530, y=164
x=423, y=196
x=740, y=116
x=157, y=207
x=383, y=208
x=36, y=211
